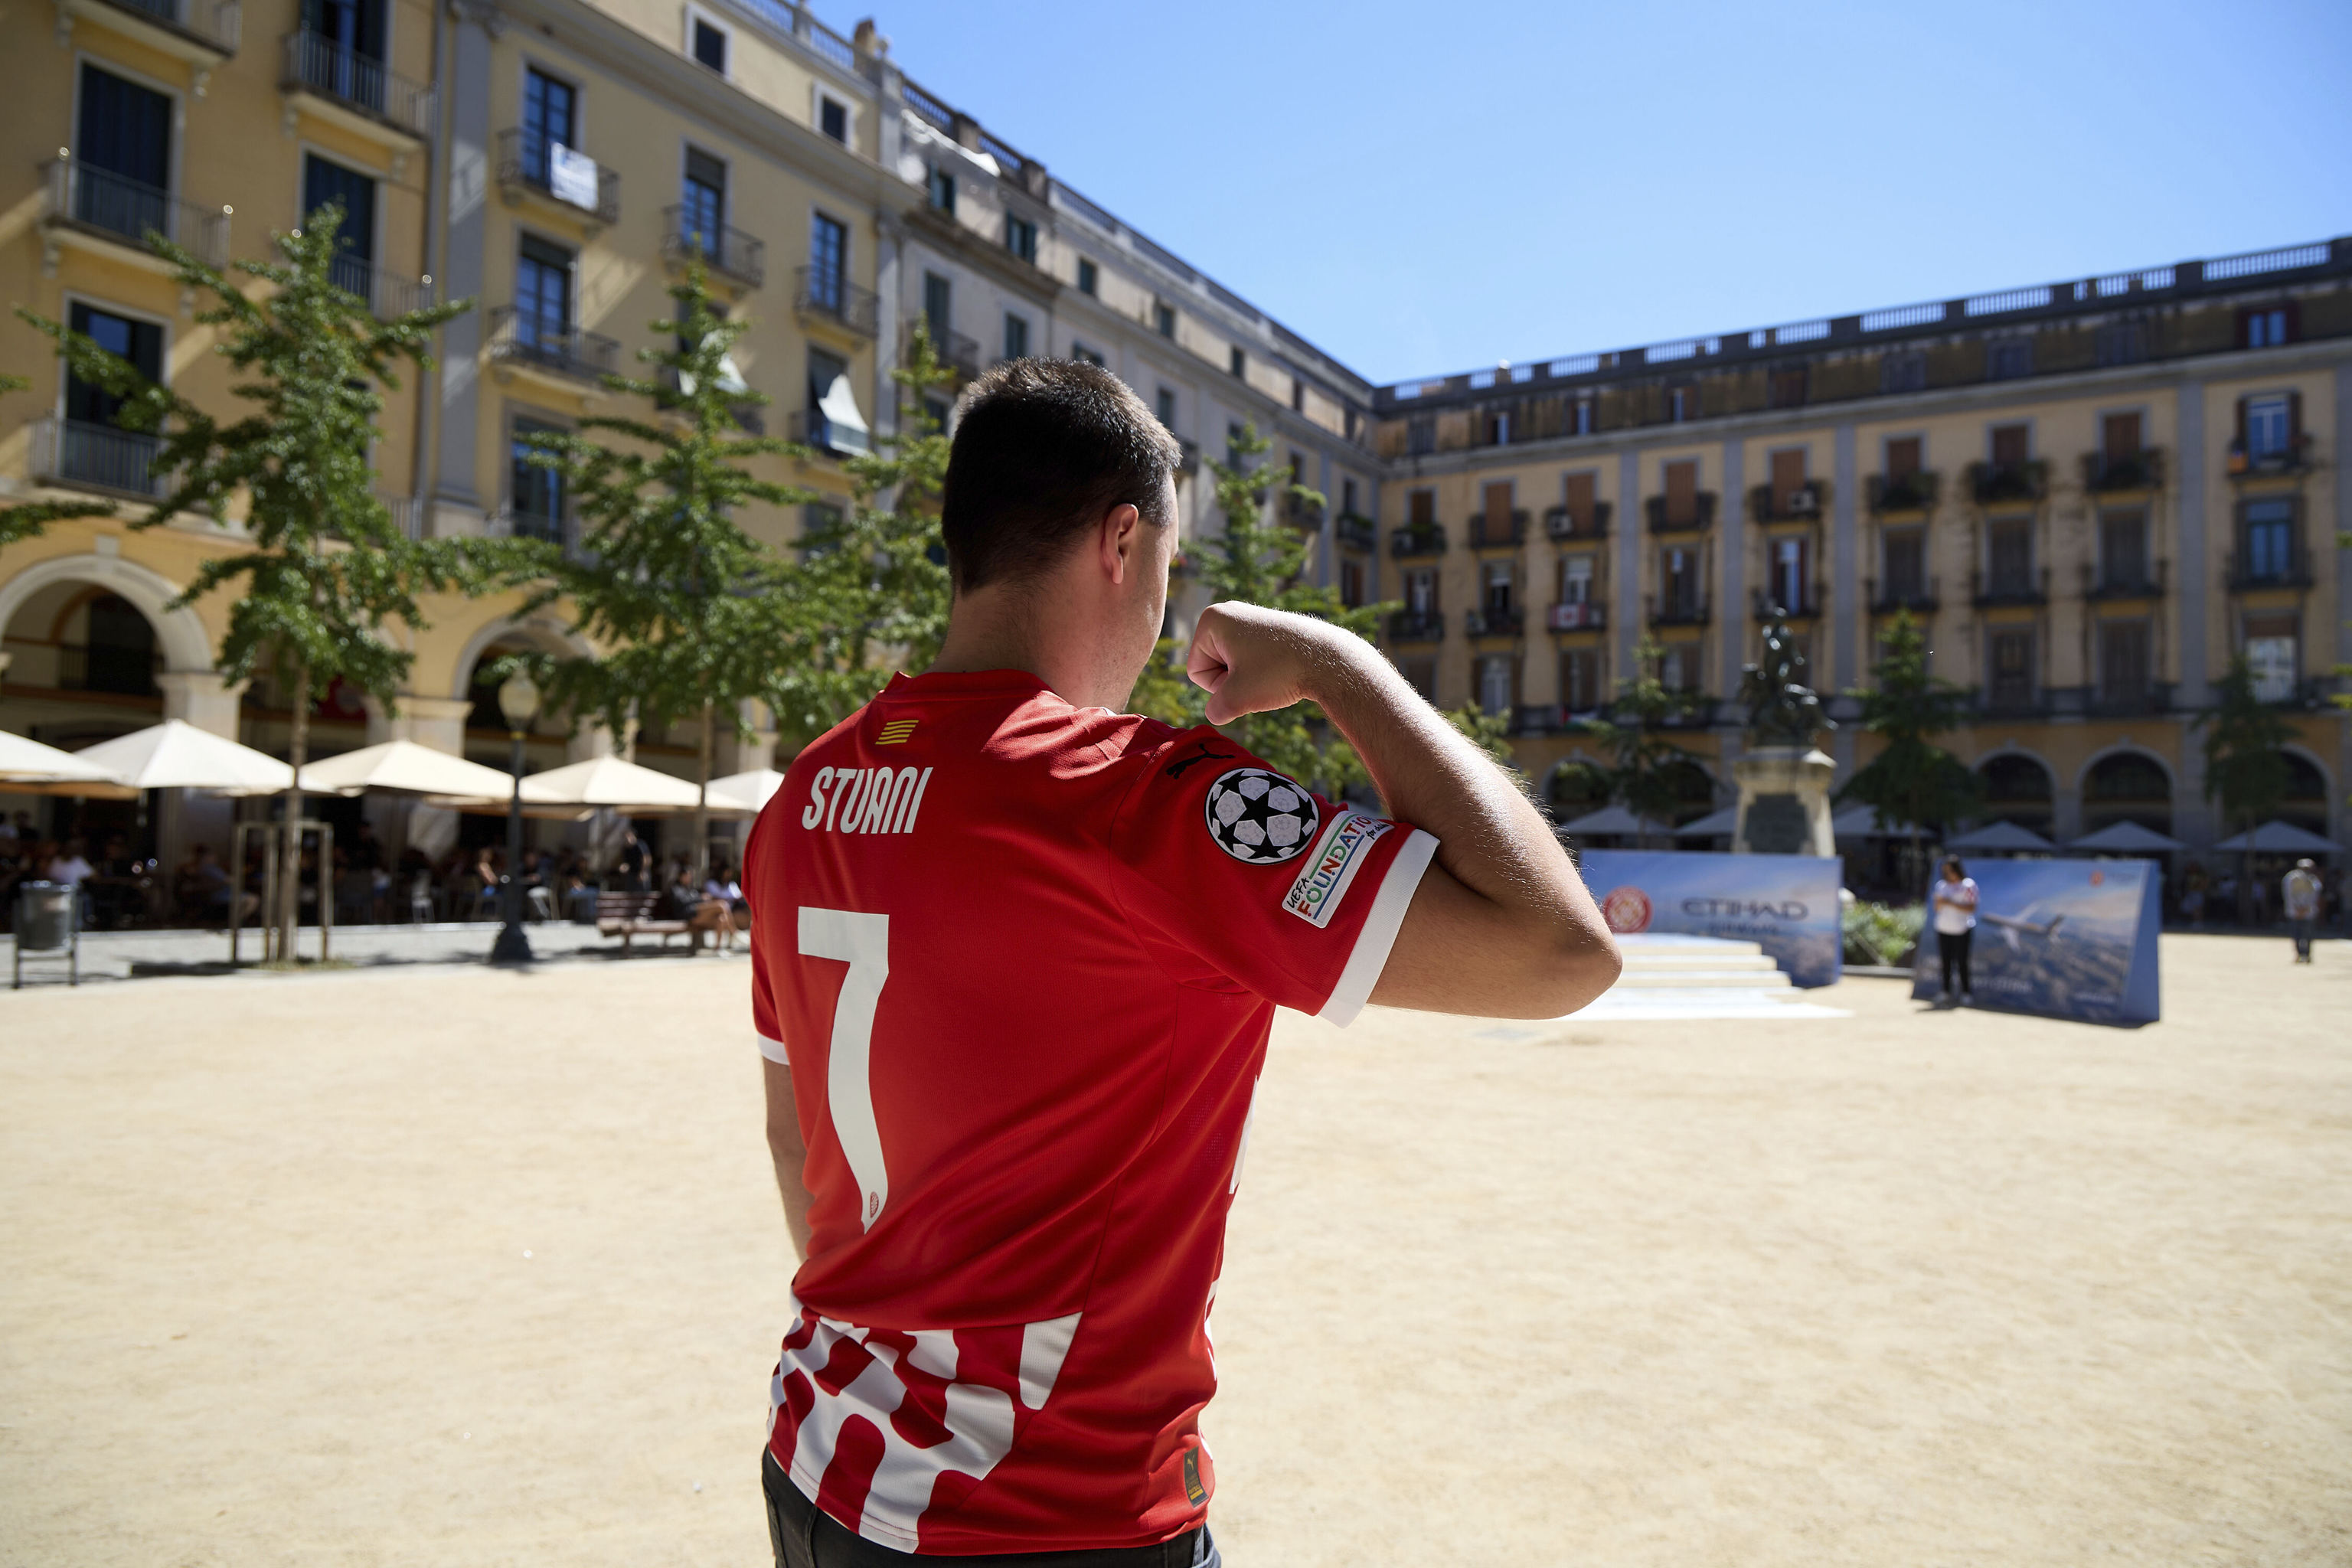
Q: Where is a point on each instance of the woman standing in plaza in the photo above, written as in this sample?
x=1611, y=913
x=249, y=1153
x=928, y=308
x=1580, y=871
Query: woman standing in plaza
x=1954, y=899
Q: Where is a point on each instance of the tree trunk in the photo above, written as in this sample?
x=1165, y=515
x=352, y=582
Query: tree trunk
x=289, y=871
x=701, y=858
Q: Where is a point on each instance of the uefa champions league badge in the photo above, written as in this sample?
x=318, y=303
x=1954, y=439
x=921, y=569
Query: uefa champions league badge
x=1260, y=817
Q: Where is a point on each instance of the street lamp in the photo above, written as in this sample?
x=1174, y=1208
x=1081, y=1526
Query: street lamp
x=519, y=700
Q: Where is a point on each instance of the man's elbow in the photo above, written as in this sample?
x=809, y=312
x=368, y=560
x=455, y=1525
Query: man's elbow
x=1569, y=971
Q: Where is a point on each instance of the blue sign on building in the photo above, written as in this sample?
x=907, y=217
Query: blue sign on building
x=2068, y=939
x=1787, y=903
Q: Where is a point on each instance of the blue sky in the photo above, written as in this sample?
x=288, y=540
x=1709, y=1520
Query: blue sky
x=1431, y=189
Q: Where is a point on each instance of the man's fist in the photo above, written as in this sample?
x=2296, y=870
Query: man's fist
x=1251, y=659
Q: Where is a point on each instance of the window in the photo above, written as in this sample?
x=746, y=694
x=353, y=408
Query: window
x=1580, y=422
x=1419, y=436
x=1583, y=679
x=710, y=44
x=2123, y=660
x=1906, y=564
x=1681, y=403
x=1682, y=493
x=1787, y=387
x=2012, y=681
x=1351, y=584
x=828, y=262
x=325, y=184
x=1498, y=426
x=939, y=296
x=124, y=176
x=551, y=115
x=1576, y=580
x=2123, y=552
x=1237, y=363
x=1578, y=502
x=943, y=189
x=834, y=421
x=1166, y=406
x=1904, y=457
x=2270, y=651
x=2006, y=359
x=1421, y=591
x=1496, y=589
x=1233, y=444
x=2268, y=428
x=543, y=295
x=2270, y=540
x=1021, y=237
x=1789, y=586
x=936, y=411
x=2009, y=557
x=2267, y=327
x=1298, y=396
x=1421, y=674
x=702, y=205
x=1420, y=509
x=1080, y=351
x=1016, y=336
x=1298, y=467
x=1496, y=679
x=1679, y=572
x=1089, y=277
x=534, y=494
x=2011, y=445
x=2119, y=436
x=1347, y=498
x=1903, y=373
x=1789, y=493
x=92, y=450
x=832, y=119
x=2121, y=343
x=1678, y=668
x=1163, y=319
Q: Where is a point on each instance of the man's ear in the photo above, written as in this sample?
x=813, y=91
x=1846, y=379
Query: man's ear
x=1121, y=540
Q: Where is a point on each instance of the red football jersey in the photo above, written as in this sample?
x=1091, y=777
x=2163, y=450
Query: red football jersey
x=1022, y=959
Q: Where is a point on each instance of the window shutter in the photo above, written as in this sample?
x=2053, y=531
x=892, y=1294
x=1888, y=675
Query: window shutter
x=2294, y=419
x=2242, y=423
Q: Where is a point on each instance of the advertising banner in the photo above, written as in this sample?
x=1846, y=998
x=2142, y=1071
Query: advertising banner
x=2067, y=939
x=1787, y=903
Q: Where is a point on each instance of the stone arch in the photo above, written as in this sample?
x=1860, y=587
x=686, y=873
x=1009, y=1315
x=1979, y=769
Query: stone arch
x=2310, y=793
x=2006, y=774
x=1574, y=785
x=179, y=632
x=2127, y=784
x=547, y=634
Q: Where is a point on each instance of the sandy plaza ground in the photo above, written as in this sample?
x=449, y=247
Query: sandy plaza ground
x=444, y=1265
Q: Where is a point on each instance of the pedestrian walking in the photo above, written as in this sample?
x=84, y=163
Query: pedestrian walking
x=1954, y=898
x=2299, y=896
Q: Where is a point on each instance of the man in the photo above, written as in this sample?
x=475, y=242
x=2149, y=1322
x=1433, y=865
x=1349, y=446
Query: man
x=2299, y=892
x=1015, y=956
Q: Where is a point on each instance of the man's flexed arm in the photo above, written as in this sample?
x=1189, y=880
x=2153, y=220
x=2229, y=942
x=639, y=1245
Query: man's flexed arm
x=1501, y=925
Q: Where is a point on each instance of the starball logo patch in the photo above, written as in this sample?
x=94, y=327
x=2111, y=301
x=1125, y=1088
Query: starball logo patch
x=1315, y=896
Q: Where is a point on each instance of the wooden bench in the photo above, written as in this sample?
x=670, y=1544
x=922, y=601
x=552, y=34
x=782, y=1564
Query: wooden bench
x=631, y=915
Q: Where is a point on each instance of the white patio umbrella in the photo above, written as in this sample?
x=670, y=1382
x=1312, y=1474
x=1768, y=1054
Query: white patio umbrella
x=2277, y=837
x=2000, y=835
x=611, y=782
x=1714, y=825
x=406, y=765
x=175, y=754
x=28, y=767
x=2126, y=838
x=747, y=790
x=1614, y=820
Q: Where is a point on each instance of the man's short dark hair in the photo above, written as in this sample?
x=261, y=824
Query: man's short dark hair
x=1044, y=447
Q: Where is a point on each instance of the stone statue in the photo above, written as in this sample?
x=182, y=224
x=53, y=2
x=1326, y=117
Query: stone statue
x=1782, y=711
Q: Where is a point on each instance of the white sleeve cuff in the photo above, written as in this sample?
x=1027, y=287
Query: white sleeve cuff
x=774, y=1051
x=1379, y=934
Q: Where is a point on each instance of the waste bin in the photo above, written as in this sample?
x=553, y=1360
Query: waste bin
x=48, y=921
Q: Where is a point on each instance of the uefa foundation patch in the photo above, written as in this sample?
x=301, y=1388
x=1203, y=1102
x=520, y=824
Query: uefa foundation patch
x=1323, y=882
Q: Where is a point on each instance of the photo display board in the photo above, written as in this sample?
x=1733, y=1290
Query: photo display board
x=2066, y=939
x=1786, y=904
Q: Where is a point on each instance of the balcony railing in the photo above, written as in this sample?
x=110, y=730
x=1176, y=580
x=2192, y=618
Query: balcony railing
x=519, y=338
x=99, y=201
x=729, y=252
x=95, y=457
x=2125, y=582
x=1808, y=606
x=810, y=427
x=1914, y=491
x=1495, y=533
x=2292, y=458
x=408, y=514
x=564, y=175
x=1539, y=719
x=1802, y=504
x=1355, y=533
x=1505, y=621
x=824, y=293
x=1665, y=518
x=1677, y=609
x=1911, y=595
x=1425, y=539
x=2152, y=697
x=218, y=25
x=2140, y=470
x=1301, y=512
x=1583, y=615
x=2269, y=568
x=1992, y=483
x=1562, y=522
x=388, y=294
x=2021, y=701
x=337, y=72
x=1988, y=591
x=1416, y=626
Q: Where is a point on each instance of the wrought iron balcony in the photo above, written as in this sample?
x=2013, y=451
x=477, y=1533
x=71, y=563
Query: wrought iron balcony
x=1886, y=599
x=2151, y=698
x=2125, y=583
x=1562, y=522
x=810, y=427
x=1993, y=483
x=2270, y=569
x=214, y=27
x=1808, y=606
x=729, y=252
x=1423, y=539
x=84, y=457
x=342, y=75
x=823, y=294
x=1538, y=718
x=1665, y=518
x=388, y=294
x=531, y=164
x=1355, y=533
x=2140, y=470
x=2020, y=700
x=522, y=339
x=101, y=201
x=1999, y=588
x=1583, y=615
x=1416, y=626
x=1494, y=622
x=1915, y=491
x=2292, y=458
x=1677, y=609
x=1497, y=532
x=1300, y=512
x=1802, y=504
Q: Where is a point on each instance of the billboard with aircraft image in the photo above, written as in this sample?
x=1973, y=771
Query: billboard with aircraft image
x=2067, y=939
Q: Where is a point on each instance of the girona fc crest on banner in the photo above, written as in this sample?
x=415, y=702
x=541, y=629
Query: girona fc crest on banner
x=1627, y=910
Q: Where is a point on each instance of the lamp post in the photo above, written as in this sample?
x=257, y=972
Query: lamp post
x=519, y=700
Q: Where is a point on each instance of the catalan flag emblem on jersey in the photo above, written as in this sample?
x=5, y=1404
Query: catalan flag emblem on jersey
x=895, y=733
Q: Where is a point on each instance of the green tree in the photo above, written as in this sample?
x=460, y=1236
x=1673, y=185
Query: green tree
x=2245, y=762
x=1912, y=779
x=690, y=616
x=326, y=569
x=1644, y=760
x=18, y=523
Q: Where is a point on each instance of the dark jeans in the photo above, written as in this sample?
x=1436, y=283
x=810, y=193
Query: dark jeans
x=806, y=1537
x=1955, y=951
x=2302, y=930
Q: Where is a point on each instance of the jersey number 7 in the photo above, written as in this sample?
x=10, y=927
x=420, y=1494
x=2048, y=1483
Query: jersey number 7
x=862, y=942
